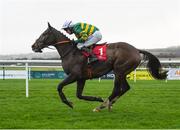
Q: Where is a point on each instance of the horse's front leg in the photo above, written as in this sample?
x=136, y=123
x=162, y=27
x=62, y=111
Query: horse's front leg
x=80, y=87
x=70, y=79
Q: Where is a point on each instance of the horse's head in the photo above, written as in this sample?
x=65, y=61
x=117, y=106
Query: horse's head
x=46, y=39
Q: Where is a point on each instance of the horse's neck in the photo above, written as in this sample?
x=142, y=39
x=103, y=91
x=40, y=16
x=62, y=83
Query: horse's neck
x=65, y=50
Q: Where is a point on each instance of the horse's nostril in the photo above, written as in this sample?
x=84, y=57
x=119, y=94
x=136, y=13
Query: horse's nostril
x=34, y=46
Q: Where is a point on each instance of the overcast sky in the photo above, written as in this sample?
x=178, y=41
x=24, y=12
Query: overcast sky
x=142, y=23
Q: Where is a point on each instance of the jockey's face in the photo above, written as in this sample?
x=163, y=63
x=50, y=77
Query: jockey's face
x=68, y=30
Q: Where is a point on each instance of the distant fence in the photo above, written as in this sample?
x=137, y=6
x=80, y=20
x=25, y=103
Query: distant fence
x=47, y=74
x=174, y=73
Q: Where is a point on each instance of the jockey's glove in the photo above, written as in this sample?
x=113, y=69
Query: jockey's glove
x=73, y=42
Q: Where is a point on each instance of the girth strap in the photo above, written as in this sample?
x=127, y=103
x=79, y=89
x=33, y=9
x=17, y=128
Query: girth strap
x=89, y=71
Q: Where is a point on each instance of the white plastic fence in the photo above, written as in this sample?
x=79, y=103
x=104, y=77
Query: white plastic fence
x=26, y=66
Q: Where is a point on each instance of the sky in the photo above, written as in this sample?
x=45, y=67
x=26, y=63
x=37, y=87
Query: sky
x=142, y=23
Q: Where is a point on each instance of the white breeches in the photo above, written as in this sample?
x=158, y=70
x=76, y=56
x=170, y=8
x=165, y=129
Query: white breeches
x=92, y=39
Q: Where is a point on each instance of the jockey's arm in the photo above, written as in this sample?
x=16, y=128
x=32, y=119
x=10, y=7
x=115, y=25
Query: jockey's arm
x=81, y=35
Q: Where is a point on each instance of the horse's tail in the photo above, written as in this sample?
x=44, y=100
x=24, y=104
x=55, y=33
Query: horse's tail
x=154, y=66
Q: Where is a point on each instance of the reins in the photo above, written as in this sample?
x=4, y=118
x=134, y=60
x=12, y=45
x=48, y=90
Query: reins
x=57, y=43
x=62, y=42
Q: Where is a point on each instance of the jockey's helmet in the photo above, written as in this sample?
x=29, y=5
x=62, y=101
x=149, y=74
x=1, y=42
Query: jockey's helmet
x=67, y=24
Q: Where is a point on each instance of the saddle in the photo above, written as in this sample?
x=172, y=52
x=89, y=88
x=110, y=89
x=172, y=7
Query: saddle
x=99, y=50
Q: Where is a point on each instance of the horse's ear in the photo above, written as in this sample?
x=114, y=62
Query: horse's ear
x=49, y=26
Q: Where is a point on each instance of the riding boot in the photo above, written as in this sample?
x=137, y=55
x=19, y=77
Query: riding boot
x=92, y=57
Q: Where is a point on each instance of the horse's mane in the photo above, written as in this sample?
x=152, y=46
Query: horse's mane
x=65, y=37
x=61, y=34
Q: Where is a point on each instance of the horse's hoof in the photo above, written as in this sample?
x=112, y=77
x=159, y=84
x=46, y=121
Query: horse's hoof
x=110, y=108
x=96, y=110
x=71, y=105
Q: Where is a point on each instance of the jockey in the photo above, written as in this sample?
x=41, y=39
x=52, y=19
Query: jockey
x=87, y=35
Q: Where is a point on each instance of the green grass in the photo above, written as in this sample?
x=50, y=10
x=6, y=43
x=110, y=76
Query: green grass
x=148, y=104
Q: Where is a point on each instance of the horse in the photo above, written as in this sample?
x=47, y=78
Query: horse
x=122, y=58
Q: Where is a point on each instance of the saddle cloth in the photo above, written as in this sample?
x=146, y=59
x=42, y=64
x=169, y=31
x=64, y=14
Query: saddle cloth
x=99, y=51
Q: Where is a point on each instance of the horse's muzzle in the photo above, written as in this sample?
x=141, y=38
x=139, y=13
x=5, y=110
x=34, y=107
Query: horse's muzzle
x=36, y=48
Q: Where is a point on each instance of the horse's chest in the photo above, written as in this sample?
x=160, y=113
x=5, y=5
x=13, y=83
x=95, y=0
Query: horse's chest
x=67, y=67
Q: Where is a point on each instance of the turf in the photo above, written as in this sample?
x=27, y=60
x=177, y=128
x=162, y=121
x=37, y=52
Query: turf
x=148, y=104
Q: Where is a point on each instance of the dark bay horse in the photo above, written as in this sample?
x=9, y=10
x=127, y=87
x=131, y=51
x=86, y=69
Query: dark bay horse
x=122, y=59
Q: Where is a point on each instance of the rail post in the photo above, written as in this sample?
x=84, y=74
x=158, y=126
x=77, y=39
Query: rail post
x=27, y=75
x=135, y=75
x=3, y=72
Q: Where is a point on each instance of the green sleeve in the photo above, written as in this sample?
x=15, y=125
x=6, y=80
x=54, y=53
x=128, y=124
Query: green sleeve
x=82, y=35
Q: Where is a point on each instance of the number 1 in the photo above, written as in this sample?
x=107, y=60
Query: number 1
x=101, y=51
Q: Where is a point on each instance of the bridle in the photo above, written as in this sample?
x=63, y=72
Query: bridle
x=58, y=43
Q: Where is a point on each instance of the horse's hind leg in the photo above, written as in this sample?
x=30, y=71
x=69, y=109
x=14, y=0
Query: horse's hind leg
x=115, y=92
x=120, y=87
x=124, y=87
x=80, y=87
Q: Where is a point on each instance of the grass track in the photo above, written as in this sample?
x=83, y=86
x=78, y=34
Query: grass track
x=148, y=104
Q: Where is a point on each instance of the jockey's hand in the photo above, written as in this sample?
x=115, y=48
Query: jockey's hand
x=83, y=48
x=74, y=43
